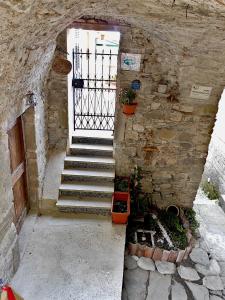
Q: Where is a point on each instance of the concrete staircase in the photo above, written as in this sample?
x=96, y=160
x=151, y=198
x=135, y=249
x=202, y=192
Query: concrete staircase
x=87, y=181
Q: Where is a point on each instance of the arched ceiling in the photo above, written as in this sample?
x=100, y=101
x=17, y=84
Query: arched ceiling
x=29, y=29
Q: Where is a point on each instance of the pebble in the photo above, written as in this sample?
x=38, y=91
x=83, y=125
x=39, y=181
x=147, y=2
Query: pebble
x=212, y=269
x=213, y=283
x=200, y=256
x=165, y=267
x=188, y=273
x=199, y=292
x=130, y=263
x=146, y=263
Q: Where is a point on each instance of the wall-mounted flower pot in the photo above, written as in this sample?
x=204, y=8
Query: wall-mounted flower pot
x=129, y=109
x=120, y=207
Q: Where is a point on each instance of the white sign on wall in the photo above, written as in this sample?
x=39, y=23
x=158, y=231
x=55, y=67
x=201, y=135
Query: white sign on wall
x=200, y=92
x=130, y=62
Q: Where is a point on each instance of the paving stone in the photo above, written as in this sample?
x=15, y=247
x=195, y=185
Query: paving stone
x=200, y=256
x=216, y=293
x=188, y=273
x=213, y=297
x=135, y=283
x=135, y=257
x=178, y=292
x=165, y=267
x=212, y=269
x=222, y=267
x=146, y=263
x=213, y=282
x=199, y=292
x=223, y=280
x=159, y=286
x=130, y=263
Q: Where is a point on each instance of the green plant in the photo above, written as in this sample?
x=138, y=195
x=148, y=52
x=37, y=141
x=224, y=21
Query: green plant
x=174, y=227
x=210, y=190
x=127, y=96
x=135, y=190
x=190, y=214
x=121, y=184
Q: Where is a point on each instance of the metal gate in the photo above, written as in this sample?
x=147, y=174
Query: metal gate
x=94, y=89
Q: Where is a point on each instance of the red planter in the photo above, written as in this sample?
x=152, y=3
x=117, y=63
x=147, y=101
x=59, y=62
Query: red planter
x=129, y=109
x=120, y=217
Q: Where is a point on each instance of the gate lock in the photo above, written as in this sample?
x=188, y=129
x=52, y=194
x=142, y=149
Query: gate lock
x=78, y=83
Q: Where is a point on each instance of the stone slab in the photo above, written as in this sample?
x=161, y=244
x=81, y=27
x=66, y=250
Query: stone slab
x=159, y=286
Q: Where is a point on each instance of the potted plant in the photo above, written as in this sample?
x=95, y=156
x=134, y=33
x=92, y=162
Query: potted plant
x=127, y=97
x=120, y=207
x=162, y=87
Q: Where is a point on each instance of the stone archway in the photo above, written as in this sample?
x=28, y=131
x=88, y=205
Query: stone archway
x=184, y=46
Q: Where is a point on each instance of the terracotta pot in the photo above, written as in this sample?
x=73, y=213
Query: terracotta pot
x=117, y=217
x=132, y=248
x=148, y=251
x=61, y=65
x=129, y=109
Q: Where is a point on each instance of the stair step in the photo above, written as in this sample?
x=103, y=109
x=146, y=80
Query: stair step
x=87, y=188
x=89, y=162
x=88, y=199
x=91, y=149
x=92, y=140
x=87, y=174
x=91, y=207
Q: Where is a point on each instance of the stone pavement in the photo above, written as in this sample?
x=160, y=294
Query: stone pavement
x=201, y=277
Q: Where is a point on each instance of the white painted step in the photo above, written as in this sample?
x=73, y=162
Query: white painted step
x=89, y=173
x=84, y=204
x=80, y=161
x=87, y=187
x=88, y=199
x=92, y=147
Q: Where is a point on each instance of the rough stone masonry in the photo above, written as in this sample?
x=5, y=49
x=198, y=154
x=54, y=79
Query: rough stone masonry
x=180, y=41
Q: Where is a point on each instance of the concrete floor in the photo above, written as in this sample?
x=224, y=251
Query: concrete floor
x=70, y=258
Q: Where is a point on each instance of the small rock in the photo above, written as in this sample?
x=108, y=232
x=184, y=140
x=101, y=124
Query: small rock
x=165, y=267
x=130, y=263
x=188, y=273
x=213, y=282
x=213, y=297
x=216, y=293
x=135, y=257
x=199, y=292
x=178, y=292
x=199, y=256
x=222, y=267
x=146, y=263
x=159, y=286
x=213, y=269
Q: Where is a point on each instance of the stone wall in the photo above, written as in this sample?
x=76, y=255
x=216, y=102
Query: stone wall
x=215, y=163
x=56, y=89
x=168, y=140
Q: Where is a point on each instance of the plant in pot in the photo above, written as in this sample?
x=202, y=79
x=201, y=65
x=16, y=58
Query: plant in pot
x=127, y=97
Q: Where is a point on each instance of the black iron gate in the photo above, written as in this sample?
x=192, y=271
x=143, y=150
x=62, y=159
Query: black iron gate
x=94, y=89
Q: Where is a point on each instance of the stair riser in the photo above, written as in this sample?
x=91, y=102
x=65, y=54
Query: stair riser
x=95, y=211
x=98, y=179
x=88, y=152
x=83, y=164
x=96, y=141
x=83, y=194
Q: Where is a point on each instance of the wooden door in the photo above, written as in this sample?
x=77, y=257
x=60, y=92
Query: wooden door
x=18, y=170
